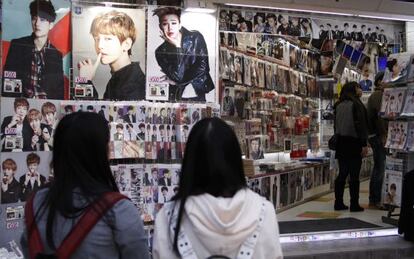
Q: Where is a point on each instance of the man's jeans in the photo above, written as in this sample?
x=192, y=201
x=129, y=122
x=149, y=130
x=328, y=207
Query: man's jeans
x=377, y=175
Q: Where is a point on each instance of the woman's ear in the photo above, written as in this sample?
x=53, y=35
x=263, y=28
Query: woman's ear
x=126, y=44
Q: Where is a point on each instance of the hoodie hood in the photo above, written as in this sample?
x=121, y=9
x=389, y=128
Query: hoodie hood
x=223, y=224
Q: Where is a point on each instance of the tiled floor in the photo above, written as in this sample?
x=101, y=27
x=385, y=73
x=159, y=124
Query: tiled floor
x=361, y=248
x=324, y=206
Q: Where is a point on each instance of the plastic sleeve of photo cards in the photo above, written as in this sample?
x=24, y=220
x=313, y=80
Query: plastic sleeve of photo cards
x=400, y=135
x=145, y=130
x=148, y=185
x=393, y=101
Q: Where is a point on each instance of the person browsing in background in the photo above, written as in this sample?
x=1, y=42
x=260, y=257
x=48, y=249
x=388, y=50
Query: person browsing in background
x=377, y=138
x=215, y=218
x=10, y=187
x=351, y=129
x=183, y=58
x=83, y=186
x=34, y=59
x=114, y=34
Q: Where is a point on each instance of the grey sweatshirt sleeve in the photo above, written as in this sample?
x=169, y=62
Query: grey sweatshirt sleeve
x=129, y=234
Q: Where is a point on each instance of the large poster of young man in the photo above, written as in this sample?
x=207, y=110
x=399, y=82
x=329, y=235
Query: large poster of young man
x=109, y=52
x=181, y=55
x=36, y=49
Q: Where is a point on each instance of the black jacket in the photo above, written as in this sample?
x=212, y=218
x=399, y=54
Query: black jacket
x=12, y=194
x=29, y=188
x=19, y=60
x=186, y=65
x=128, y=83
x=351, y=137
x=376, y=124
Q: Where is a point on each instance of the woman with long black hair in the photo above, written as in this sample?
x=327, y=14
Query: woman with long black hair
x=351, y=129
x=83, y=187
x=214, y=214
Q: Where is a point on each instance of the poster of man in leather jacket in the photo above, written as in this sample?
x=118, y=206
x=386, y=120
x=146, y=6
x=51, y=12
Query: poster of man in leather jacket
x=180, y=55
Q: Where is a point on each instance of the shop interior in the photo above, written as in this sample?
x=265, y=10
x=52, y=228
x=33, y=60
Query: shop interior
x=275, y=74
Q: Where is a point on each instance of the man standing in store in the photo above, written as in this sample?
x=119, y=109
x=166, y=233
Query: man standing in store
x=377, y=137
x=34, y=60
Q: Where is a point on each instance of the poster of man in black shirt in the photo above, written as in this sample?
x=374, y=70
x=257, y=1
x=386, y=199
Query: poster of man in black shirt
x=34, y=63
x=109, y=52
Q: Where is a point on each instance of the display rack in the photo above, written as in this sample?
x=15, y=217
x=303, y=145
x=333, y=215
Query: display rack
x=402, y=153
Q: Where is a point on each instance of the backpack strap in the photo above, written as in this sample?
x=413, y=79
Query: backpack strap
x=184, y=245
x=92, y=215
x=33, y=235
x=247, y=248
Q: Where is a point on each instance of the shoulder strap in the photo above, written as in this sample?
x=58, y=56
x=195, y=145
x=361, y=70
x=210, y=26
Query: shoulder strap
x=33, y=235
x=92, y=215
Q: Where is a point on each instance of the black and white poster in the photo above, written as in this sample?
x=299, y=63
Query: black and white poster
x=181, y=55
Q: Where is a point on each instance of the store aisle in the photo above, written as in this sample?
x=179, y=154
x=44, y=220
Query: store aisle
x=322, y=208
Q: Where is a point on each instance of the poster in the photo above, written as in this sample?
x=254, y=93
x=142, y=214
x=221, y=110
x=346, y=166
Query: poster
x=28, y=124
x=185, y=73
x=49, y=77
x=363, y=31
x=408, y=109
x=108, y=53
x=392, y=101
x=23, y=173
x=397, y=135
x=409, y=146
x=392, y=187
x=398, y=68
